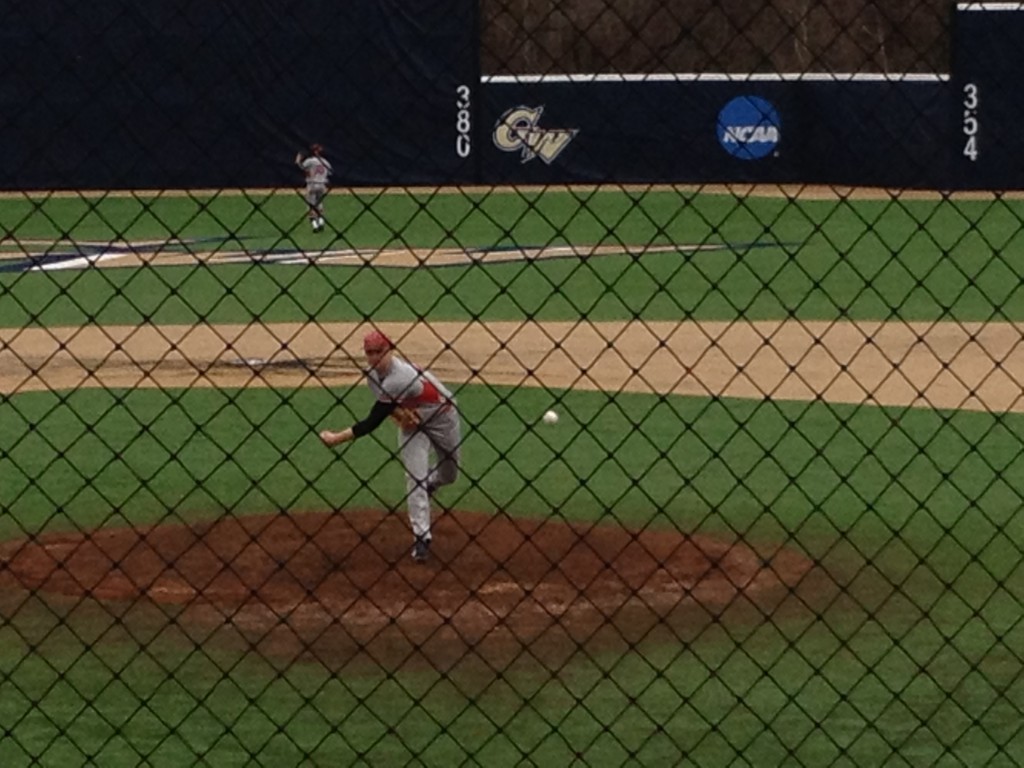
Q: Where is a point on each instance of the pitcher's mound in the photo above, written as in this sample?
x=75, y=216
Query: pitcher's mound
x=334, y=587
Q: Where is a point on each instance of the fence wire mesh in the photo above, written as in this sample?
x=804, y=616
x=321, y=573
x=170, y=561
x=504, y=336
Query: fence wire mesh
x=702, y=470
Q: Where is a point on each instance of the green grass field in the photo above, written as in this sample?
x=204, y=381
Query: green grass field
x=908, y=260
x=911, y=659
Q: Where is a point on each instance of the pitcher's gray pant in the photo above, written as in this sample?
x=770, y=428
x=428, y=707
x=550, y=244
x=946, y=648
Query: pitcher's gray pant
x=442, y=433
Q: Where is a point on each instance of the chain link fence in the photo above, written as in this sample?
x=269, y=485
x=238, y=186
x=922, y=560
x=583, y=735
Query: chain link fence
x=717, y=430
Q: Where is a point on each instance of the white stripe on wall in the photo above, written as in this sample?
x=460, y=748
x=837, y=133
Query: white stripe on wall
x=585, y=77
x=990, y=6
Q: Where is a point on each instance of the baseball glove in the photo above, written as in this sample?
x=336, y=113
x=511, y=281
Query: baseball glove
x=406, y=418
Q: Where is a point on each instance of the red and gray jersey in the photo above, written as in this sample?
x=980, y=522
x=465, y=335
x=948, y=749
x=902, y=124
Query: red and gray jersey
x=409, y=386
x=317, y=169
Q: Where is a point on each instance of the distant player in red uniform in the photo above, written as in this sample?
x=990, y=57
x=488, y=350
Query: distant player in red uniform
x=318, y=171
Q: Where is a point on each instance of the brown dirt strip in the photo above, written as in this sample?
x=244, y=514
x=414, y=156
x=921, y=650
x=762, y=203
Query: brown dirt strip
x=125, y=254
x=971, y=366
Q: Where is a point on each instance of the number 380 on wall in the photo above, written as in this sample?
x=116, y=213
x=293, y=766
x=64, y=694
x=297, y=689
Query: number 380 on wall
x=463, y=121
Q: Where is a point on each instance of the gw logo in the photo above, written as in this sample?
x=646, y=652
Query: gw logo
x=517, y=131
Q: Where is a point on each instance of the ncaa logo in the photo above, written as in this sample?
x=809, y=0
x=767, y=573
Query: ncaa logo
x=749, y=127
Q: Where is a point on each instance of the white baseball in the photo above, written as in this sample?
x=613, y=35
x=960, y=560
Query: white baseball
x=550, y=417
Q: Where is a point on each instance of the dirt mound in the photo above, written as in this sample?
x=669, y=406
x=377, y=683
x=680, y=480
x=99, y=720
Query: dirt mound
x=334, y=587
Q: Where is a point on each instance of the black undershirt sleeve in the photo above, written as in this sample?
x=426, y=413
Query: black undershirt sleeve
x=378, y=413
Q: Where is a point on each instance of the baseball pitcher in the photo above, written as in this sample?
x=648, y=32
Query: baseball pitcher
x=428, y=421
x=318, y=170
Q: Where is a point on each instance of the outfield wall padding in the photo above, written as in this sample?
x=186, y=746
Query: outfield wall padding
x=194, y=94
x=884, y=133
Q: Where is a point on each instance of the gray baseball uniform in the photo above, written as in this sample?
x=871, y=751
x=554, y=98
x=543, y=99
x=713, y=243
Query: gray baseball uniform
x=318, y=171
x=439, y=429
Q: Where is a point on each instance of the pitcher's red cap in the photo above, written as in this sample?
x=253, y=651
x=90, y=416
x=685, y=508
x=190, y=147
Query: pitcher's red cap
x=376, y=340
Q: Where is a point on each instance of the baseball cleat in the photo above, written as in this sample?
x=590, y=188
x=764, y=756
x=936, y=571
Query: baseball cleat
x=421, y=550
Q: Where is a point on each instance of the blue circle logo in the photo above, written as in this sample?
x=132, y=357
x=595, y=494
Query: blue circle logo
x=749, y=127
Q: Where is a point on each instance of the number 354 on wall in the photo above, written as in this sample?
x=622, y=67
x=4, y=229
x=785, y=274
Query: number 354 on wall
x=970, y=124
